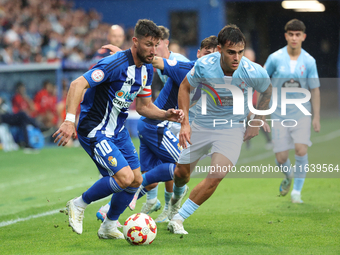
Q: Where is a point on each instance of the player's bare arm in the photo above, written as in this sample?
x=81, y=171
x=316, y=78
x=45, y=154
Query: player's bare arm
x=183, y=103
x=263, y=104
x=315, y=93
x=146, y=108
x=158, y=63
x=113, y=49
x=74, y=96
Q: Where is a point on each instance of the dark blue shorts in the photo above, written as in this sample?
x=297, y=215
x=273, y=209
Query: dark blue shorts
x=158, y=145
x=111, y=154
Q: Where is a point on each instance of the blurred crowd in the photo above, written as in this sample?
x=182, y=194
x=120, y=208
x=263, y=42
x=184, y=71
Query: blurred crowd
x=34, y=31
x=37, y=31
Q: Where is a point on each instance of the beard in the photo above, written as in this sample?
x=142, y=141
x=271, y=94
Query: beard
x=144, y=58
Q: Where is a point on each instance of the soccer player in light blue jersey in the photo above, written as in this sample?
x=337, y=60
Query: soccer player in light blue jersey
x=112, y=85
x=293, y=67
x=229, y=68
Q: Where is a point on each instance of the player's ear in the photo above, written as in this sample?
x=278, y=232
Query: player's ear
x=304, y=36
x=286, y=35
x=166, y=43
x=219, y=48
x=135, y=41
x=198, y=53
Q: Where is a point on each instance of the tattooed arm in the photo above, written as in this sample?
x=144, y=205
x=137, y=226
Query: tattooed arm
x=263, y=104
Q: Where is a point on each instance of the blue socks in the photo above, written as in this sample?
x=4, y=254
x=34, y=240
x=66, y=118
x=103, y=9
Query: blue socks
x=100, y=189
x=188, y=208
x=161, y=173
x=285, y=167
x=300, y=173
x=119, y=202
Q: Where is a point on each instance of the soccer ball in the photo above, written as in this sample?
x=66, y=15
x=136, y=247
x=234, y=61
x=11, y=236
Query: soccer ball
x=140, y=229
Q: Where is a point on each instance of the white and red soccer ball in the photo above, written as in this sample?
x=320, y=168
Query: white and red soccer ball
x=140, y=229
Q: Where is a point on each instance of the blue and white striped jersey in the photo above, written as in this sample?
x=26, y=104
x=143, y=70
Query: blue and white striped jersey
x=115, y=82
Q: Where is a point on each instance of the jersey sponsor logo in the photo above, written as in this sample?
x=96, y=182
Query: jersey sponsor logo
x=291, y=84
x=171, y=62
x=97, y=75
x=126, y=95
x=226, y=101
x=112, y=161
x=121, y=104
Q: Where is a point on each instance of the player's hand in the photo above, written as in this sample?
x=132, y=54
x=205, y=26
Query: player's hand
x=113, y=49
x=64, y=133
x=184, y=135
x=266, y=127
x=316, y=125
x=174, y=115
x=252, y=131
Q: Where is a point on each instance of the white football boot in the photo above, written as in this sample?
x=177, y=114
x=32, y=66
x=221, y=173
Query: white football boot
x=108, y=230
x=75, y=216
x=176, y=227
x=148, y=208
x=163, y=217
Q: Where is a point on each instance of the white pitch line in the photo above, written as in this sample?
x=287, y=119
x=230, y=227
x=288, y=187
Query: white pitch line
x=10, y=222
x=268, y=154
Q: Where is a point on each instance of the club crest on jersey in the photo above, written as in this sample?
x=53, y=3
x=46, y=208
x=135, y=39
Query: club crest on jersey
x=243, y=85
x=144, y=80
x=97, y=75
x=171, y=62
x=302, y=69
x=112, y=161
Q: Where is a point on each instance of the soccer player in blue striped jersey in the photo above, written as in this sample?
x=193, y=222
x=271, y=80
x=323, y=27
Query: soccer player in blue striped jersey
x=293, y=67
x=112, y=85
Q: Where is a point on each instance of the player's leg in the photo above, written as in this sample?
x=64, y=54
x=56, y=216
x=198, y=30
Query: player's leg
x=301, y=136
x=200, y=194
x=120, y=201
x=282, y=143
x=226, y=148
x=117, y=176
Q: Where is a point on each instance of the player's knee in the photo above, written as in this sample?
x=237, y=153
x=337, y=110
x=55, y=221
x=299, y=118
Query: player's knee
x=126, y=179
x=281, y=159
x=151, y=186
x=181, y=173
x=301, y=152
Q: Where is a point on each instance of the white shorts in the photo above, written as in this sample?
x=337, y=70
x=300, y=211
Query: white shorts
x=284, y=138
x=227, y=142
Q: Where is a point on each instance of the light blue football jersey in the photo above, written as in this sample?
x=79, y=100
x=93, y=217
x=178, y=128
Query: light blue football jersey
x=304, y=75
x=208, y=73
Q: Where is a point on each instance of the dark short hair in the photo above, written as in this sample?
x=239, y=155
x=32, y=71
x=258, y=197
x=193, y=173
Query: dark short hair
x=165, y=33
x=232, y=34
x=145, y=28
x=295, y=25
x=209, y=42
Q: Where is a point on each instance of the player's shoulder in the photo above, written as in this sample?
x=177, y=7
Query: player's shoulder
x=253, y=69
x=307, y=56
x=208, y=62
x=118, y=58
x=279, y=53
x=178, y=57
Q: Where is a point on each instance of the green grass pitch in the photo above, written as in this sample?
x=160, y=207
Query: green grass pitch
x=244, y=216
